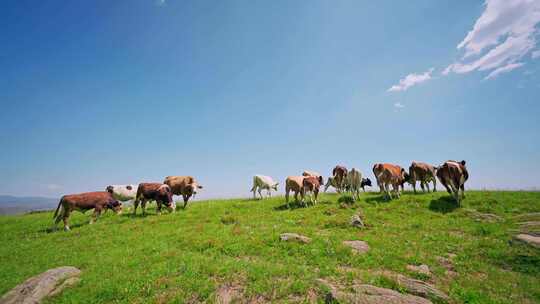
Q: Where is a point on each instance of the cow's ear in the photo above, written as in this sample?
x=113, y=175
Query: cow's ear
x=109, y=189
x=129, y=187
x=463, y=162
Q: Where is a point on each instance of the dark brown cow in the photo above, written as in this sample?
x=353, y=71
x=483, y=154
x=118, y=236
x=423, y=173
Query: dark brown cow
x=389, y=174
x=312, y=185
x=83, y=202
x=340, y=174
x=453, y=176
x=186, y=186
x=158, y=192
x=424, y=173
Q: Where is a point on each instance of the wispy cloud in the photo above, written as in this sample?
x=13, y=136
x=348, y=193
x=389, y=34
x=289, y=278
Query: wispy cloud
x=500, y=38
x=399, y=105
x=411, y=80
x=53, y=187
x=161, y=2
x=535, y=54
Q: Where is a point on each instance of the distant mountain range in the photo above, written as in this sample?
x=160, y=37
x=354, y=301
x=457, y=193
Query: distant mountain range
x=14, y=204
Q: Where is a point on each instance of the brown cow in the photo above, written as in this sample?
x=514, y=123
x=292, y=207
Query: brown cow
x=186, y=186
x=83, y=202
x=158, y=192
x=312, y=185
x=389, y=174
x=295, y=184
x=340, y=174
x=453, y=176
x=379, y=168
x=424, y=173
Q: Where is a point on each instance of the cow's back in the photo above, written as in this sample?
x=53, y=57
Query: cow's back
x=88, y=199
x=294, y=183
x=263, y=180
x=178, y=183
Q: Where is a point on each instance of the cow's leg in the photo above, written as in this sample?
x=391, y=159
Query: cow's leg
x=260, y=194
x=158, y=207
x=65, y=217
x=143, y=206
x=254, y=190
x=95, y=215
x=316, y=192
x=427, y=186
x=186, y=198
x=434, y=184
x=135, y=205
x=269, y=193
x=422, y=186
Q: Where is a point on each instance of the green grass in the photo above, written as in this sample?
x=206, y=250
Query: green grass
x=185, y=257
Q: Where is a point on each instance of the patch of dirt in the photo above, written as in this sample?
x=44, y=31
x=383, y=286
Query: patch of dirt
x=229, y=293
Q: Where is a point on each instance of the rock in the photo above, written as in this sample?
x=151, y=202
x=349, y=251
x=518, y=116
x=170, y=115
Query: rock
x=528, y=239
x=422, y=269
x=356, y=221
x=229, y=293
x=369, y=294
x=288, y=237
x=38, y=287
x=448, y=264
x=360, y=247
x=421, y=288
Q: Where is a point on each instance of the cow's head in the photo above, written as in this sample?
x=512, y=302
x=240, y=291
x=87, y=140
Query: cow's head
x=165, y=195
x=274, y=186
x=321, y=181
x=405, y=176
x=115, y=206
x=462, y=163
x=365, y=182
x=109, y=189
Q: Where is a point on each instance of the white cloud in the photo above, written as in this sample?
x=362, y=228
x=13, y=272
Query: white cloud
x=399, y=105
x=507, y=68
x=502, y=36
x=161, y=2
x=411, y=80
x=535, y=54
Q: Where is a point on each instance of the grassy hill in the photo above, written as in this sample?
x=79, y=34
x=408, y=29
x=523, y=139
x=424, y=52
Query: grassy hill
x=187, y=256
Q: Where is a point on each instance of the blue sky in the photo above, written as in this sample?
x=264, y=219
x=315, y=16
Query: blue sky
x=112, y=92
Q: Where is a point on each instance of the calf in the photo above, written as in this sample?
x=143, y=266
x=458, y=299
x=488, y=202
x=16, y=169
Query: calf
x=453, y=176
x=311, y=184
x=340, y=175
x=354, y=183
x=391, y=175
x=261, y=182
x=186, y=186
x=312, y=173
x=83, y=202
x=158, y=192
x=424, y=173
x=379, y=168
x=294, y=184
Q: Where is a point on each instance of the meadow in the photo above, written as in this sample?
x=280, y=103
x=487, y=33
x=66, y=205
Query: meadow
x=187, y=256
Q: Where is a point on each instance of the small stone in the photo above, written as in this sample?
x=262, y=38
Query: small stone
x=356, y=221
x=422, y=269
x=41, y=286
x=360, y=247
x=421, y=288
x=288, y=237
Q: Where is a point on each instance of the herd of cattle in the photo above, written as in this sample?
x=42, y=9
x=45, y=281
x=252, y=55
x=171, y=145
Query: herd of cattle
x=451, y=174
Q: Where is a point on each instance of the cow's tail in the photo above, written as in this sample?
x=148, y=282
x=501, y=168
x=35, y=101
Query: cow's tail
x=58, y=208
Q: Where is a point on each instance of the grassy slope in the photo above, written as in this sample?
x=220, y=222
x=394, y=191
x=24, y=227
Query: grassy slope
x=186, y=256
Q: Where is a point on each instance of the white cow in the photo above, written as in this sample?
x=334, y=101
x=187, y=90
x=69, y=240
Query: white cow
x=123, y=193
x=354, y=183
x=261, y=182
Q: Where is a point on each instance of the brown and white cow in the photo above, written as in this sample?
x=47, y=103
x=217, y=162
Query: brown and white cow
x=158, y=192
x=453, y=176
x=186, y=186
x=424, y=173
x=312, y=185
x=99, y=201
x=294, y=184
x=340, y=175
x=379, y=168
x=389, y=174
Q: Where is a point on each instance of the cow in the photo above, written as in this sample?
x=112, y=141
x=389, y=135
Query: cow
x=332, y=181
x=158, y=192
x=186, y=186
x=294, y=184
x=340, y=175
x=354, y=183
x=365, y=182
x=389, y=174
x=99, y=201
x=424, y=173
x=453, y=176
x=379, y=168
x=312, y=173
x=262, y=182
x=122, y=193
x=311, y=184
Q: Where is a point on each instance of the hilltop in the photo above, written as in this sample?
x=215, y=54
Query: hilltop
x=234, y=246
